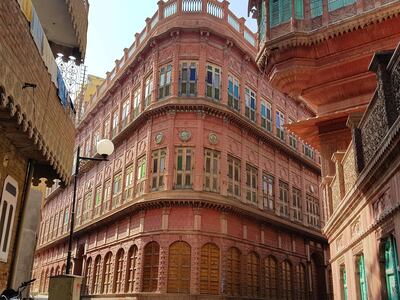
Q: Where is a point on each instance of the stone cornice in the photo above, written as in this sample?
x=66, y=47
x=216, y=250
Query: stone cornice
x=182, y=198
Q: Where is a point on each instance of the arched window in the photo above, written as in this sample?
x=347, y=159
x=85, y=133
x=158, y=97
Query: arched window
x=88, y=277
x=179, y=268
x=271, y=277
x=150, y=267
x=130, y=270
x=52, y=272
x=317, y=276
x=301, y=287
x=233, y=271
x=107, y=274
x=42, y=281
x=63, y=269
x=287, y=284
x=209, y=269
x=96, y=275
x=58, y=270
x=253, y=271
x=119, y=263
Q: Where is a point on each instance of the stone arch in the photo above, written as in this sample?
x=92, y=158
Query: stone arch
x=88, y=276
x=96, y=286
x=57, y=270
x=107, y=271
x=300, y=281
x=179, y=267
x=318, y=286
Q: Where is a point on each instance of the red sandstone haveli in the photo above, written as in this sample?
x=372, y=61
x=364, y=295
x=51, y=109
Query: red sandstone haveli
x=206, y=193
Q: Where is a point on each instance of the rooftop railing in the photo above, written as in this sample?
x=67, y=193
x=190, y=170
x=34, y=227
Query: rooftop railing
x=166, y=11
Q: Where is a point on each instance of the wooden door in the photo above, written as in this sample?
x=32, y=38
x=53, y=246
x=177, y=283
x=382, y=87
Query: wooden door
x=209, y=269
x=179, y=263
x=150, y=267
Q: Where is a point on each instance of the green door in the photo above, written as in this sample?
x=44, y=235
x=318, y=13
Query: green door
x=363, y=279
x=391, y=265
x=345, y=293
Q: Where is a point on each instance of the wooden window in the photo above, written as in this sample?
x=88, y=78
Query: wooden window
x=250, y=104
x=96, y=275
x=296, y=204
x=88, y=276
x=95, y=140
x=213, y=82
x=88, y=148
x=87, y=206
x=66, y=219
x=164, y=88
x=179, y=263
x=97, y=201
x=234, y=177
x=271, y=278
x=184, y=167
x=336, y=4
x=280, y=121
x=308, y=151
x=131, y=270
x=106, y=129
x=106, y=288
x=313, y=214
x=233, y=272
x=78, y=212
x=301, y=284
x=299, y=9
x=251, y=183
x=266, y=115
x=362, y=278
x=117, y=189
x=148, y=90
x=287, y=284
x=211, y=170
x=268, y=192
x=8, y=203
x=150, y=267
x=141, y=175
x=158, y=169
x=233, y=93
x=280, y=11
x=343, y=280
x=129, y=182
x=317, y=8
x=292, y=138
x=119, y=264
x=136, y=103
x=107, y=195
x=115, y=124
x=209, y=269
x=283, y=199
x=188, y=79
x=125, y=114
x=253, y=271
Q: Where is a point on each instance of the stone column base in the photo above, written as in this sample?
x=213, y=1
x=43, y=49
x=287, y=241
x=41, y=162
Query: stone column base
x=65, y=287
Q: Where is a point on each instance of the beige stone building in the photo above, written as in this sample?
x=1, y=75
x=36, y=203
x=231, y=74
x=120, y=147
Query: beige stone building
x=35, y=111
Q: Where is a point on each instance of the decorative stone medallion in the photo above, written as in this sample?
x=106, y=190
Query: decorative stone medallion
x=213, y=138
x=159, y=138
x=185, y=135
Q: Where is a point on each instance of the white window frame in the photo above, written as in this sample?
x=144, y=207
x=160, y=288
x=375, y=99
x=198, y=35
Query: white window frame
x=187, y=85
x=164, y=87
x=213, y=88
x=233, y=98
x=250, y=104
x=211, y=170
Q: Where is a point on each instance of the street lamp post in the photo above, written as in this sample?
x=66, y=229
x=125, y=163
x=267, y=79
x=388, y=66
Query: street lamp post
x=104, y=148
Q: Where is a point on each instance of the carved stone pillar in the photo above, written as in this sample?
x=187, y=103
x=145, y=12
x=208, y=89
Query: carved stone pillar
x=352, y=123
x=337, y=159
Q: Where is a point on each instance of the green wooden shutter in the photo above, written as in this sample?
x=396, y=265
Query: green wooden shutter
x=316, y=8
x=362, y=278
x=298, y=9
x=286, y=10
x=391, y=272
x=274, y=12
x=262, y=21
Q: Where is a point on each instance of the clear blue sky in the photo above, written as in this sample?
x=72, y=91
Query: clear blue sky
x=113, y=24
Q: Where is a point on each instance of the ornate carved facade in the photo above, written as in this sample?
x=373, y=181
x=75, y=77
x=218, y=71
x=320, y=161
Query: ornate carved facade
x=206, y=194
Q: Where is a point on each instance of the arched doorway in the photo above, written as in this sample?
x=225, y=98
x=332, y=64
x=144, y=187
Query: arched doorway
x=318, y=277
x=391, y=266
